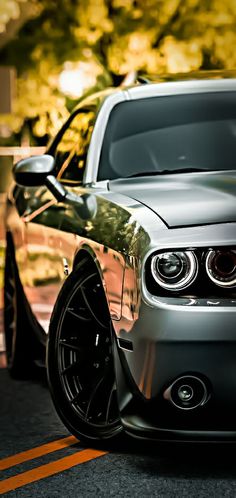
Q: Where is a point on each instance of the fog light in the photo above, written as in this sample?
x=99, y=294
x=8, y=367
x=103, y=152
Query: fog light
x=185, y=393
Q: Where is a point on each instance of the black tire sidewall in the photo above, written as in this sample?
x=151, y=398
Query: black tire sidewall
x=20, y=363
x=68, y=415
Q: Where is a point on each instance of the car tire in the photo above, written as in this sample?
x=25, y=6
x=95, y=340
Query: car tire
x=80, y=358
x=20, y=342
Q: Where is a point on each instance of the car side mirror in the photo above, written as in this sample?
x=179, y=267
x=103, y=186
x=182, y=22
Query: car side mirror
x=33, y=171
x=38, y=170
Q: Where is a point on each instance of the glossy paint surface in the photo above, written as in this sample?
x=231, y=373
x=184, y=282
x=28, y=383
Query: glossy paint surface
x=157, y=338
x=181, y=199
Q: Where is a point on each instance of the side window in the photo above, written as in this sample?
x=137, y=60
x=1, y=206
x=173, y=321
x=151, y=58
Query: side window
x=72, y=148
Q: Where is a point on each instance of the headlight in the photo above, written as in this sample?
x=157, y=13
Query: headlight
x=174, y=270
x=221, y=267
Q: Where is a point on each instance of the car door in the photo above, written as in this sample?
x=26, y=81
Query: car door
x=52, y=230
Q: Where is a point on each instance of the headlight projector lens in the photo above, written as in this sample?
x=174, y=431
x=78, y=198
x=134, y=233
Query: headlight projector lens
x=174, y=270
x=221, y=267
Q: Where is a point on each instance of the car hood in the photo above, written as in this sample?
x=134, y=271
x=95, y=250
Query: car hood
x=185, y=199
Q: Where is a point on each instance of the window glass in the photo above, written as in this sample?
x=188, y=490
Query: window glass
x=170, y=133
x=71, y=150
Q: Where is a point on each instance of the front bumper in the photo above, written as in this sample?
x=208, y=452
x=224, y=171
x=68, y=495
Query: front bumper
x=168, y=341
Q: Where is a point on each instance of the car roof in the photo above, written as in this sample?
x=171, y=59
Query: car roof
x=180, y=83
x=188, y=76
x=150, y=85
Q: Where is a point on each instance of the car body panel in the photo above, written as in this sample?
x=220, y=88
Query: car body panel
x=157, y=337
x=184, y=196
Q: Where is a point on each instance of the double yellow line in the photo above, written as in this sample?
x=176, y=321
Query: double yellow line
x=48, y=469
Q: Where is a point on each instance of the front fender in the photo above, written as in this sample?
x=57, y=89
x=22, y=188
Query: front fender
x=111, y=267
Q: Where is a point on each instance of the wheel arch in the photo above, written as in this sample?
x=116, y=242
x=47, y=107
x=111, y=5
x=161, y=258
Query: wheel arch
x=85, y=252
x=110, y=266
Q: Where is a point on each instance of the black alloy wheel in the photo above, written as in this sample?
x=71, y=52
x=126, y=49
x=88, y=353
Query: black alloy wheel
x=18, y=332
x=80, y=360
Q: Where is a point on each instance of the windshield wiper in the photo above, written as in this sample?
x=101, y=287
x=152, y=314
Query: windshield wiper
x=169, y=172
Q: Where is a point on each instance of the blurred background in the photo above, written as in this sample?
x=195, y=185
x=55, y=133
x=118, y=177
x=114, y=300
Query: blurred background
x=53, y=52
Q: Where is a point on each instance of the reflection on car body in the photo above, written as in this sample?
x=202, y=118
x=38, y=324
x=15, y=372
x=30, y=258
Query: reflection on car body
x=127, y=247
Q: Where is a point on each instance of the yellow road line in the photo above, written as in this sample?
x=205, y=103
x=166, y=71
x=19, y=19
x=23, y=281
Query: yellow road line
x=39, y=451
x=49, y=469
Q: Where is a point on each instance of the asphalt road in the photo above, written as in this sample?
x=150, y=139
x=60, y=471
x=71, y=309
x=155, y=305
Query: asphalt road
x=134, y=468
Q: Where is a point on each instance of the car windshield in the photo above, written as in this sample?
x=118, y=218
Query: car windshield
x=170, y=133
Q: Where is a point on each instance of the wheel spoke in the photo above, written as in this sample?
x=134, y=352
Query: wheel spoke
x=10, y=285
x=110, y=400
x=77, y=365
x=71, y=368
x=100, y=396
x=77, y=315
x=9, y=309
x=67, y=344
x=92, y=397
x=76, y=397
x=8, y=295
x=91, y=310
x=11, y=325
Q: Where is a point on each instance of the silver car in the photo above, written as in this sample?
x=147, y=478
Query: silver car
x=121, y=250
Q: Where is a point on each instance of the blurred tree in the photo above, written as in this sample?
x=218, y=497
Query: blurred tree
x=9, y=10
x=115, y=37
x=13, y=14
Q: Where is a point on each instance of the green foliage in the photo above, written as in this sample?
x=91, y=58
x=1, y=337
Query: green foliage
x=156, y=36
x=8, y=11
